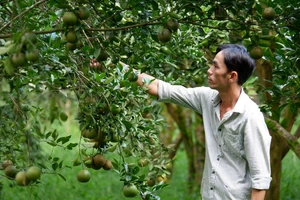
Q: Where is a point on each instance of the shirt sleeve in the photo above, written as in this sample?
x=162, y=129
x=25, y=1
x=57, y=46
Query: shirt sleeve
x=257, y=150
x=188, y=97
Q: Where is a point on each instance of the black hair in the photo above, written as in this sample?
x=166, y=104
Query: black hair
x=236, y=58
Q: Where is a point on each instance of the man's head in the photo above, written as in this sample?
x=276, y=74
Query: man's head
x=236, y=58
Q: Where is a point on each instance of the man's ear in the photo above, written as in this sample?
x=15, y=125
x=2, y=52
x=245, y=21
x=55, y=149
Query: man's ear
x=233, y=77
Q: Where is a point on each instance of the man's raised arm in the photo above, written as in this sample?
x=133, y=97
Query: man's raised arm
x=147, y=81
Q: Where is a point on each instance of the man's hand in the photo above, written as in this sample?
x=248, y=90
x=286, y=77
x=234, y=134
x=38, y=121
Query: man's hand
x=94, y=63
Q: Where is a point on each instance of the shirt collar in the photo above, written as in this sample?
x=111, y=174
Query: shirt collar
x=239, y=106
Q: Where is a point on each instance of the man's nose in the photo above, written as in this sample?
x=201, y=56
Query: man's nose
x=209, y=71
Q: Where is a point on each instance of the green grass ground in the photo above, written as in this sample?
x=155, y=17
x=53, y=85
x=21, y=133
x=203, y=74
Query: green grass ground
x=105, y=185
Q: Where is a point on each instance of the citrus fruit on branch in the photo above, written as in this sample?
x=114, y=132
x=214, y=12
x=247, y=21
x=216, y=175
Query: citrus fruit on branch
x=165, y=35
x=83, y=176
x=83, y=13
x=269, y=13
x=130, y=190
x=256, y=52
x=69, y=18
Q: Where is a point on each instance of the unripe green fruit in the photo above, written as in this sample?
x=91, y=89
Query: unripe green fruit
x=33, y=173
x=165, y=35
x=69, y=19
x=71, y=36
x=269, y=13
x=32, y=55
x=83, y=13
x=256, y=52
x=18, y=59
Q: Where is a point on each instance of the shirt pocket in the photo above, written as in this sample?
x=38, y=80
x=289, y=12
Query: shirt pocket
x=233, y=143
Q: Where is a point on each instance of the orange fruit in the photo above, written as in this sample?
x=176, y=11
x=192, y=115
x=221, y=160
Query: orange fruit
x=172, y=24
x=165, y=35
x=6, y=163
x=69, y=18
x=84, y=13
x=269, y=13
x=83, y=176
x=256, y=52
x=130, y=190
x=99, y=160
x=33, y=173
x=108, y=165
x=18, y=59
x=10, y=171
x=21, y=179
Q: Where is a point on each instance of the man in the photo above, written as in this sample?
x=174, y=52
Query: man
x=237, y=160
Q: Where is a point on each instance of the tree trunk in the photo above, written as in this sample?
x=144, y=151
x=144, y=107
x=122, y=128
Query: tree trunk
x=191, y=130
x=276, y=151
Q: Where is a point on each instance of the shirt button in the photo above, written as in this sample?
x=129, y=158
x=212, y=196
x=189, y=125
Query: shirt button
x=219, y=129
x=211, y=188
x=218, y=159
x=213, y=172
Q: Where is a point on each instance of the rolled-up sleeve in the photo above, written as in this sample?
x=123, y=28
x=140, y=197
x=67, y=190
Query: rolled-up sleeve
x=188, y=97
x=257, y=150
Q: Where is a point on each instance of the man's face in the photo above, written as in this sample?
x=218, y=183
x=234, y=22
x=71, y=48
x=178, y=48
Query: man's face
x=217, y=73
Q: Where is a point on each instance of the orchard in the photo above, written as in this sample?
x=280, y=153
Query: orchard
x=46, y=53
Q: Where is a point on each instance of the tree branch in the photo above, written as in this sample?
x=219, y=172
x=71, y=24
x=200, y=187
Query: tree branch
x=22, y=13
x=297, y=132
x=290, y=139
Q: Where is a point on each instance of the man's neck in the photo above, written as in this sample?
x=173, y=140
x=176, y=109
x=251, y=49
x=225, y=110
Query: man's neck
x=230, y=96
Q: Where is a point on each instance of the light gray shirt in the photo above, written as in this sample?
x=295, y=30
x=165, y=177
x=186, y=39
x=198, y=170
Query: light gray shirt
x=237, y=155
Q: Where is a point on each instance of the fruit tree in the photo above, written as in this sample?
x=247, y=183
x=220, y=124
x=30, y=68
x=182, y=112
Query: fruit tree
x=46, y=47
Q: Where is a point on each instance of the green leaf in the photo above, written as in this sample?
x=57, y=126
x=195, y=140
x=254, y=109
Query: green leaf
x=71, y=146
x=48, y=134
x=52, y=143
x=8, y=66
x=61, y=176
x=54, y=134
x=54, y=166
x=5, y=87
x=64, y=140
x=127, y=124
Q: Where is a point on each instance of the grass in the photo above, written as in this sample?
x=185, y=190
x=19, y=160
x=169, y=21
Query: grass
x=105, y=185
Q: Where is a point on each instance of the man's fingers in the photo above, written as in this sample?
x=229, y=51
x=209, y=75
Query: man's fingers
x=94, y=63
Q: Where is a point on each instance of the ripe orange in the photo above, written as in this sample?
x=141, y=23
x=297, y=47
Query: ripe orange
x=99, y=160
x=108, y=165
